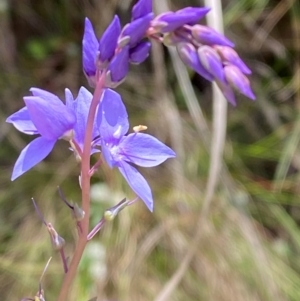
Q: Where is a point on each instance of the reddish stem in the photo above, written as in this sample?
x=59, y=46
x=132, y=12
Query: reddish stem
x=85, y=188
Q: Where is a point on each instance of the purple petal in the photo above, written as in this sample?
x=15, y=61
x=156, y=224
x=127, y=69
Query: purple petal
x=112, y=117
x=136, y=30
x=109, y=39
x=21, y=121
x=69, y=99
x=229, y=55
x=211, y=61
x=81, y=109
x=32, y=154
x=209, y=36
x=141, y=8
x=89, y=49
x=119, y=65
x=106, y=152
x=45, y=95
x=137, y=183
x=238, y=81
x=189, y=56
x=144, y=150
x=139, y=53
x=52, y=119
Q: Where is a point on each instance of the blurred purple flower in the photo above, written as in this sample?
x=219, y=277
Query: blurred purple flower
x=121, y=151
x=208, y=36
x=170, y=21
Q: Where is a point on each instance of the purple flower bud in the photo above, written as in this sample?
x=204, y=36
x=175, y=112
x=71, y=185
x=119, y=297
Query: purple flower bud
x=199, y=12
x=139, y=53
x=209, y=36
x=118, y=67
x=211, y=61
x=141, y=9
x=89, y=49
x=229, y=55
x=109, y=39
x=189, y=56
x=136, y=30
x=238, y=81
x=171, y=21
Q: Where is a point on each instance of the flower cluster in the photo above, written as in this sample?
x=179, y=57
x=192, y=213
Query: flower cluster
x=206, y=51
x=201, y=48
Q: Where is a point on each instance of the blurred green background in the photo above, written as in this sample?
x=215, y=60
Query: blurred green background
x=249, y=242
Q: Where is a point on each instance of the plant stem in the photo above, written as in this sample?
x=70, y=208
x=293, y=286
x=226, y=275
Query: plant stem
x=85, y=190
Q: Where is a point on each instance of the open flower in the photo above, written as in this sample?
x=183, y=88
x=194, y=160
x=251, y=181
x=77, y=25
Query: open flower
x=120, y=150
x=46, y=115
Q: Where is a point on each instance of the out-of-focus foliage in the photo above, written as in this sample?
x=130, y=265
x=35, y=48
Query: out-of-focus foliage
x=250, y=243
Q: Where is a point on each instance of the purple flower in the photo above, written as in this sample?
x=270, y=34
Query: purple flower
x=97, y=54
x=121, y=151
x=46, y=115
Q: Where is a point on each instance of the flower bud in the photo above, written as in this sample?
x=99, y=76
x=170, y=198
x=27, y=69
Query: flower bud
x=136, y=30
x=139, y=53
x=237, y=80
x=89, y=50
x=208, y=36
x=170, y=21
x=108, y=41
x=211, y=61
x=118, y=68
x=198, y=13
x=189, y=56
x=141, y=9
x=229, y=55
